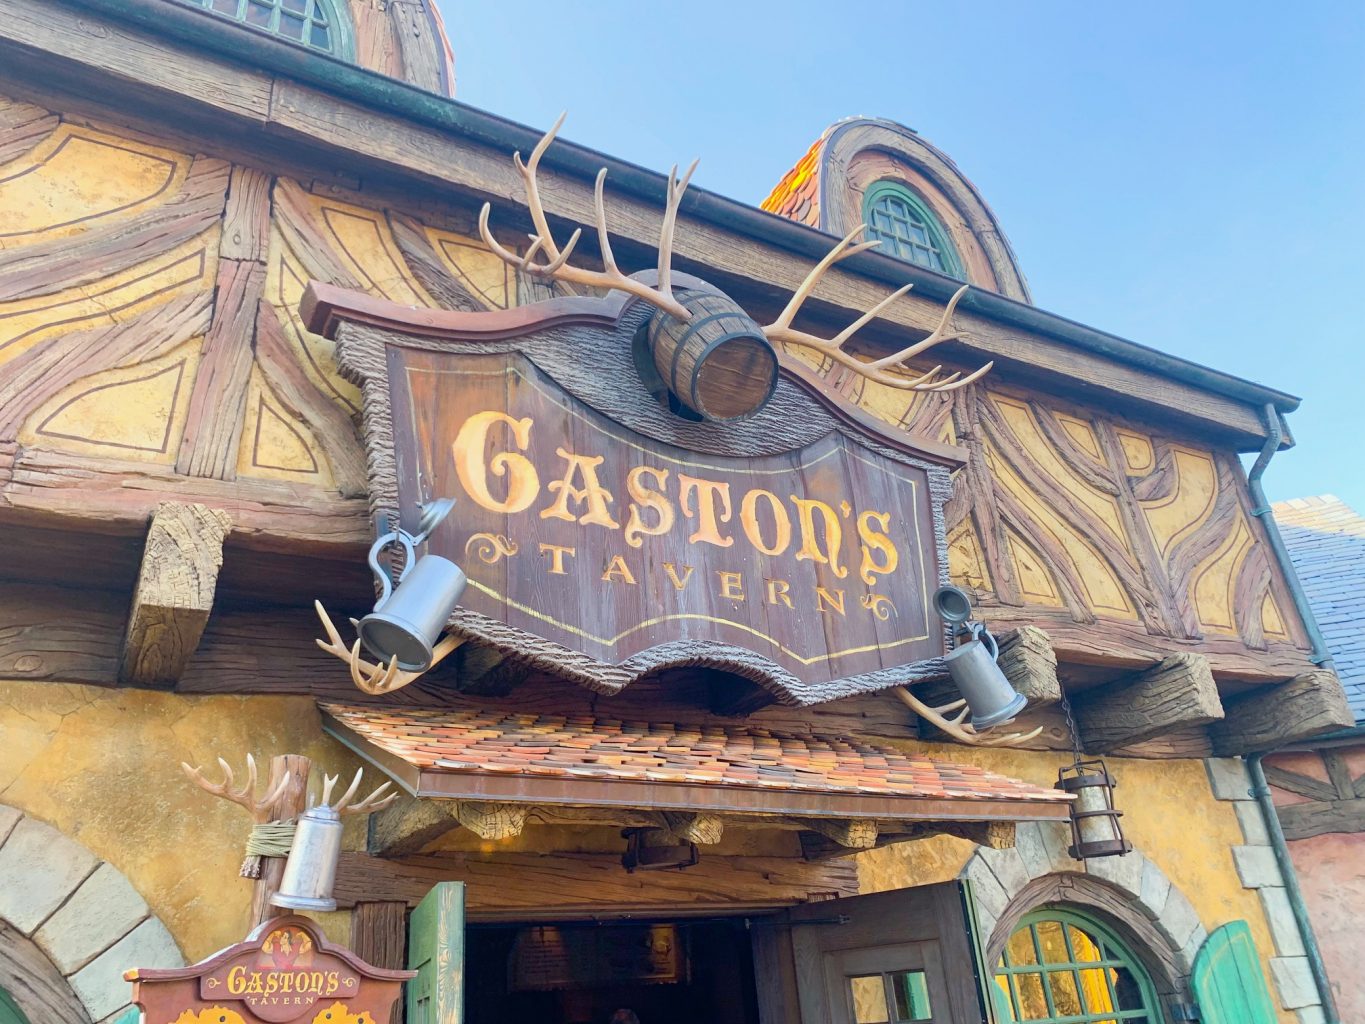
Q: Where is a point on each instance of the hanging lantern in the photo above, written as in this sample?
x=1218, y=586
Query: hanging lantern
x=1095, y=828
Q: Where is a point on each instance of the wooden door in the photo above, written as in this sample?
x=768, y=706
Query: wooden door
x=897, y=957
x=1228, y=982
x=436, y=953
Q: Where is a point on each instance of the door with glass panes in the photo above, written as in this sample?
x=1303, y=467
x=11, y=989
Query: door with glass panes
x=897, y=957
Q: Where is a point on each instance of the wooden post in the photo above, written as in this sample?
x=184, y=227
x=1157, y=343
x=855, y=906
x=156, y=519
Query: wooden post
x=289, y=806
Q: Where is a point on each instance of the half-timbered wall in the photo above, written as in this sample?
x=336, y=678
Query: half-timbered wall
x=148, y=319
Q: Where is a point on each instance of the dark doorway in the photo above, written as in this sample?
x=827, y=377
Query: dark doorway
x=667, y=972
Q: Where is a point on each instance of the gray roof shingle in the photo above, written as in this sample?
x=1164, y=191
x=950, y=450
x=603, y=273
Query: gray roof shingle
x=1326, y=542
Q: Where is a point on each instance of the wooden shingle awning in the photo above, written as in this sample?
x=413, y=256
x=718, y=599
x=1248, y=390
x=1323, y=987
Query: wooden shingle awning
x=586, y=761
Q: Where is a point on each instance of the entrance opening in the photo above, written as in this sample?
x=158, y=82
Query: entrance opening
x=667, y=972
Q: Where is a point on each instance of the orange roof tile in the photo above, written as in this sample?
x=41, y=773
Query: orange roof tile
x=797, y=195
x=564, y=748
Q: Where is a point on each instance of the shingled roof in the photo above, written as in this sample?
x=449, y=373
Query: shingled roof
x=1326, y=541
x=555, y=758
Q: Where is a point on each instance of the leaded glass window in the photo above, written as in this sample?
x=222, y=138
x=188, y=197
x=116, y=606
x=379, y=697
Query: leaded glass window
x=1061, y=968
x=908, y=229
x=312, y=23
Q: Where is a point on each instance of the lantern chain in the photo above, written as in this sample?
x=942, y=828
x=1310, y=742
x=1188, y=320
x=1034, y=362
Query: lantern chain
x=1071, y=729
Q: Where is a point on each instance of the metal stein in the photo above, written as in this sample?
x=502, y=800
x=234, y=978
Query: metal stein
x=409, y=619
x=973, y=667
x=311, y=870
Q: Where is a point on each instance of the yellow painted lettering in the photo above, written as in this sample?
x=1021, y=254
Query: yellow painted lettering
x=672, y=570
x=782, y=524
x=557, y=553
x=642, y=498
x=617, y=568
x=806, y=508
x=592, y=493
x=834, y=600
x=523, y=484
x=710, y=494
x=731, y=585
x=876, y=543
x=236, y=981
x=778, y=591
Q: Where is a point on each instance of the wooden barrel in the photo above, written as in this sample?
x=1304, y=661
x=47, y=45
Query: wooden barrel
x=718, y=363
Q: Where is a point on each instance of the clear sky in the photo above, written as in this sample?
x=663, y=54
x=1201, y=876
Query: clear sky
x=1187, y=175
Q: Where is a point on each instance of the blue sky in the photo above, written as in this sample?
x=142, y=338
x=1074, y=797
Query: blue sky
x=1190, y=176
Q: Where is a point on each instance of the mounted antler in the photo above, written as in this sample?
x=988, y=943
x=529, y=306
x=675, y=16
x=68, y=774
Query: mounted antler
x=781, y=330
x=957, y=726
x=259, y=808
x=374, y=802
x=556, y=268
x=369, y=677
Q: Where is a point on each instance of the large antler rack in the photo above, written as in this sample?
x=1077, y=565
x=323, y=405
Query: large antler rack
x=957, y=726
x=369, y=677
x=875, y=369
x=557, y=267
x=376, y=801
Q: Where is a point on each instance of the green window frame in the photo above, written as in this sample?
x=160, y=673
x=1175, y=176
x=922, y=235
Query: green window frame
x=1061, y=967
x=908, y=229
x=318, y=25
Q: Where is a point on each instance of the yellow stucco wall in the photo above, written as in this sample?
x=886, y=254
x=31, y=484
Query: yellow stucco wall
x=103, y=766
x=1169, y=813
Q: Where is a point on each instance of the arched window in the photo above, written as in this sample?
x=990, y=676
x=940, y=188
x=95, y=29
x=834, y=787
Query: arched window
x=908, y=228
x=315, y=24
x=9, y=1013
x=1060, y=966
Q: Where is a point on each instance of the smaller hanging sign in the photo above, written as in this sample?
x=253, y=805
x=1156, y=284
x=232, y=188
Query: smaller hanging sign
x=285, y=971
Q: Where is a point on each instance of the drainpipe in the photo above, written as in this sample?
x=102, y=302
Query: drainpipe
x=1274, y=435
x=1260, y=790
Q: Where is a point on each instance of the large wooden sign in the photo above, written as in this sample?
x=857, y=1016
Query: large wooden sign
x=285, y=971
x=605, y=537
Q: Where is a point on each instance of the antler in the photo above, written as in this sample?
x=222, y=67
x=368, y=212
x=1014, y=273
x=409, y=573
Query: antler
x=557, y=268
x=781, y=330
x=955, y=726
x=246, y=796
x=372, y=678
x=374, y=802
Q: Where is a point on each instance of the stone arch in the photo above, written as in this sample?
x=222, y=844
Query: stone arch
x=70, y=925
x=927, y=170
x=1130, y=893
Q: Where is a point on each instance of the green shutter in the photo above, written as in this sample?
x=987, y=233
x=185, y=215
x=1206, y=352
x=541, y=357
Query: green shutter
x=436, y=953
x=1228, y=982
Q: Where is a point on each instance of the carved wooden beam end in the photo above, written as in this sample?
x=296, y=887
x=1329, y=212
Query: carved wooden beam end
x=1030, y=664
x=492, y=820
x=174, y=592
x=1274, y=716
x=1174, y=694
x=850, y=834
x=409, y=825
x=702, y=829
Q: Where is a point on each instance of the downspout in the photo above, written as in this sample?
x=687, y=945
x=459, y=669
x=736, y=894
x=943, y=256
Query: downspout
x=1260, y=789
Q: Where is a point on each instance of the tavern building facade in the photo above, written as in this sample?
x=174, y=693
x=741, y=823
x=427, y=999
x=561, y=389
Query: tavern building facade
x=688, y=744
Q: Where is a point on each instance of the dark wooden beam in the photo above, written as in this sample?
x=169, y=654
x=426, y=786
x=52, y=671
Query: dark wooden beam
x=996, y=835
x=1308, y=705
x=532, y=886
x=1320, y=817
x=174, y=592
x=1177, y=693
